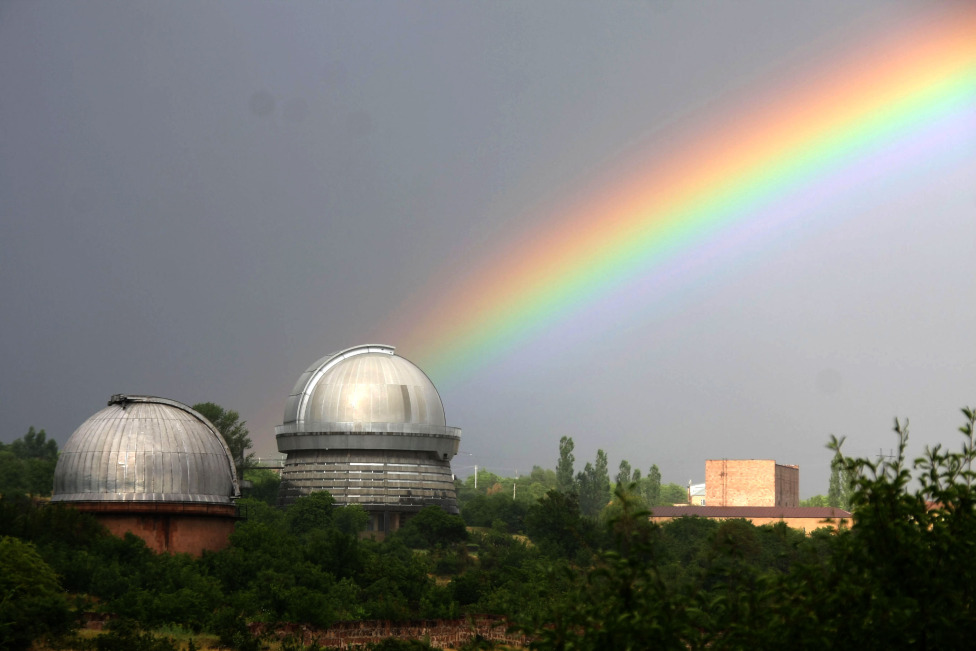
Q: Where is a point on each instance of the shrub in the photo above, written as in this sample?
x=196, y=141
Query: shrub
x=32, y=603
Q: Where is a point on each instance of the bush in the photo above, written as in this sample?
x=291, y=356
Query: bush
x=264, y=485
x=431, y=527
x=32, y=604
x=231, y=628
x=902, y=576
x=310, y=513
x=124, y=635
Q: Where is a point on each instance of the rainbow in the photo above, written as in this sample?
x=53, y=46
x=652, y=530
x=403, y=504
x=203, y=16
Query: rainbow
x=881, y=109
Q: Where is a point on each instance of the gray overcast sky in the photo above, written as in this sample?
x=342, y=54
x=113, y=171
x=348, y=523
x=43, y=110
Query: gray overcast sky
x=198, y=200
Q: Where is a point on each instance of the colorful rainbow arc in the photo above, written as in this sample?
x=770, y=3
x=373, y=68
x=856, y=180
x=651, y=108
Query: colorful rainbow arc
x=917, y=81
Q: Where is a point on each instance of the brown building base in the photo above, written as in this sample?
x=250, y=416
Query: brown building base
x=807, y=518
x=176, y=528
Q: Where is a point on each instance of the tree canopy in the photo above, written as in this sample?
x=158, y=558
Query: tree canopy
x=27, y=464
x=233, y=429
x=565, y=475
x=32, y=603
x=900, y=575
x=593, y=484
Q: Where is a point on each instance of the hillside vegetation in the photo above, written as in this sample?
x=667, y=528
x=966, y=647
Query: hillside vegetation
x=901, y=575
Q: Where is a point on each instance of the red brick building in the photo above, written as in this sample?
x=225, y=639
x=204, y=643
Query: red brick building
x=751, y=482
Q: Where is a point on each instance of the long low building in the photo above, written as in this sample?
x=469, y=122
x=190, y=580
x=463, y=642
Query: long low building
x=808, y=518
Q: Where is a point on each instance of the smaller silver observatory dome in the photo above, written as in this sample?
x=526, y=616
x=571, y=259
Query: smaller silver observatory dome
x=146, y=449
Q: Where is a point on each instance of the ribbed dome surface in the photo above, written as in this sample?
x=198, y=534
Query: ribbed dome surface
x=141, y=448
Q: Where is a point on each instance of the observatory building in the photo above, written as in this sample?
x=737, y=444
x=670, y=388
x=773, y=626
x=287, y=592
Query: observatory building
x=153, y=467
x=368, y=426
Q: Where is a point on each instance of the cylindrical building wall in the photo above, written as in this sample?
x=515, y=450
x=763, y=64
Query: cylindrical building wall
x=393, y=481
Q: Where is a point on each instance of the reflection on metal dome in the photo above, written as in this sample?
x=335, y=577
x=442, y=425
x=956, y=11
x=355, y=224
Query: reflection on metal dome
x=365, y=384
x=145, y=449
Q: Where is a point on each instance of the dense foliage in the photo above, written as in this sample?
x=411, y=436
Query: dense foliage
x=900, y=576
x=482, y=496
x=31, y=601
x=27, y=464
x=232, y=428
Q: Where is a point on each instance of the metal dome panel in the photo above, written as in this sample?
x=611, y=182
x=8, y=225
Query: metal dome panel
x=142, y=448
x=364, y=384
x=375, y=388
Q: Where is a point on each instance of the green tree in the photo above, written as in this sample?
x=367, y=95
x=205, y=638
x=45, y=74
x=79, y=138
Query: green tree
x=543, y=476
x=125, y=635
x=350, y=519
x=498, y=510
x=432, y=526
x=532, y=488
x=263, y=485
x=624, y=474
x=27, y=464
x=589, y=496
x=556, y=526
x=32, y=603
x=840, y=489
x=673, y=494
x=311, y=512
x=621, y=602
x=901, y=576
x=848, y=481
x=602, y=472
x=565, y=478
x=833, y=486
x=233, y=429
x=35, y=445
x=816, y=500
x=13, y=474
x=40, y=475
x=594, y=486
x=652, y=486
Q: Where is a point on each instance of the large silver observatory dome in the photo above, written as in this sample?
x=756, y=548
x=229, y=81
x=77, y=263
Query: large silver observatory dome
x=370, y=387
x=368, y=426
x=145, y=449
